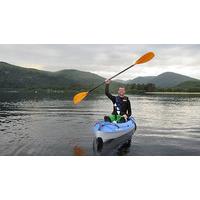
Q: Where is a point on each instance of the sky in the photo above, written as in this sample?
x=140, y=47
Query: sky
x=105, y=59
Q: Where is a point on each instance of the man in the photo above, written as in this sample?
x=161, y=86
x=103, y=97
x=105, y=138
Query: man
x=121, y=105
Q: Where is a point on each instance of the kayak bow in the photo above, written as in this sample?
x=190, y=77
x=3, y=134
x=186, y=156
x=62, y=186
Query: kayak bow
x=108, y=131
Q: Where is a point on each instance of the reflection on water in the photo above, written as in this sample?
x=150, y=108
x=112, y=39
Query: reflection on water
x=167, y=125
x=79, y=151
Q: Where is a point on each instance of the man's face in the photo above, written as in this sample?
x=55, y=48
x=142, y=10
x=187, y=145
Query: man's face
x=121, y=91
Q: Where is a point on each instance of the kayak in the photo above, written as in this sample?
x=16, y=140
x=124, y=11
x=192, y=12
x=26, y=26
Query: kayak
x=108, y=136
x=108, y=131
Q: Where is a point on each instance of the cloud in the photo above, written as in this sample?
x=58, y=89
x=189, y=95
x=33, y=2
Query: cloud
x=105, y=59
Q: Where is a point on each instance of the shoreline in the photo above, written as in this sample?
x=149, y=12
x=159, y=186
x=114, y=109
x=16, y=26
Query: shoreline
x=176, y=93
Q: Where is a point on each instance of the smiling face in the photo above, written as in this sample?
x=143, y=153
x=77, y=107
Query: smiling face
x=121, y=91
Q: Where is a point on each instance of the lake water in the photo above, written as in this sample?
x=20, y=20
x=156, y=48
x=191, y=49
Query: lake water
x=167, y=125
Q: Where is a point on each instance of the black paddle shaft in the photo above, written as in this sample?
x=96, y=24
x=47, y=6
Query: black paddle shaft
x=110, y=78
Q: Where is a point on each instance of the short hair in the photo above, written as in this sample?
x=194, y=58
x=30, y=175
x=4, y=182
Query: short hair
x=121, y=87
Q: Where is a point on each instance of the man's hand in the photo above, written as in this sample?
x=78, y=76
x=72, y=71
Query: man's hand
x=107, y=81
x=125, y=117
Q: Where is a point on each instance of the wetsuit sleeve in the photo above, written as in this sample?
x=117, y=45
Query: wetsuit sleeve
x=129, y=109
x=108, y=94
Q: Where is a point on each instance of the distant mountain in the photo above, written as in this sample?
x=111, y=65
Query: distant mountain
x=141, y=80
x=120, y=81
x=169, y=79
x=165, y=80
x=12, y=76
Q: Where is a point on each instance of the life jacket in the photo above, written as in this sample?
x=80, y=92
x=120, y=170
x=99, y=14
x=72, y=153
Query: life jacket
x=117, y=105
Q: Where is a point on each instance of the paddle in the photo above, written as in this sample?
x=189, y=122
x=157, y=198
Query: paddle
x=143, y=59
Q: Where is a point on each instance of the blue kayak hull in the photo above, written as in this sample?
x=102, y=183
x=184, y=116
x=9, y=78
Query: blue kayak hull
x=106, y=131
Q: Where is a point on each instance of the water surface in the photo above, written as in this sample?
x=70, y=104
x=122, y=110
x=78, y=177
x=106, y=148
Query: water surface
x=167, y=125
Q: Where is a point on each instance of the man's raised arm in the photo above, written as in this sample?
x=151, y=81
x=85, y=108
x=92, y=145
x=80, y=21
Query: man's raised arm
x=107, y=93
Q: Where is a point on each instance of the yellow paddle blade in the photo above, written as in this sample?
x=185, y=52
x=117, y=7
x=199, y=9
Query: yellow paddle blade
x=145, y=58
x=79, y=97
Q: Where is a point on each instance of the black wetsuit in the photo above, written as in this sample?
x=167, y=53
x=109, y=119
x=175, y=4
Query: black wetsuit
x=125, y=106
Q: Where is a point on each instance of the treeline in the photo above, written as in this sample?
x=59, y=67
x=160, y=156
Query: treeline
x=142, y=88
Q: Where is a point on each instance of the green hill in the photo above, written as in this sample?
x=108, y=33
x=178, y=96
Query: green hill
x=12, y=76
x=190, y=86
x=164, y=80
x=170, y=79
x=15, y=77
